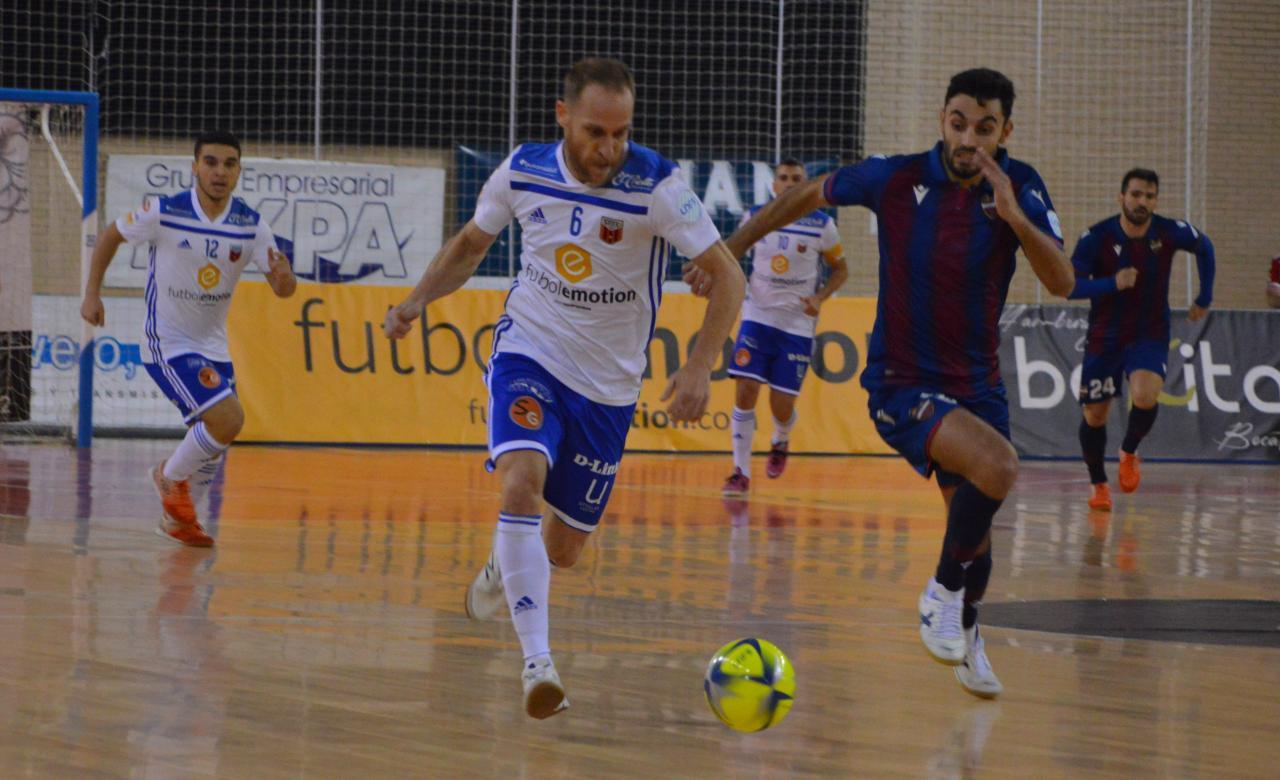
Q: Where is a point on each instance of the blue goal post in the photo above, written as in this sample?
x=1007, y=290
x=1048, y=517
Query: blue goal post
x=88, y=229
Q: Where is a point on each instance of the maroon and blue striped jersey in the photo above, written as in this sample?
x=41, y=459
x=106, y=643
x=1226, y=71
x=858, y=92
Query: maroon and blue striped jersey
x=946, y=260
x=1117, y=319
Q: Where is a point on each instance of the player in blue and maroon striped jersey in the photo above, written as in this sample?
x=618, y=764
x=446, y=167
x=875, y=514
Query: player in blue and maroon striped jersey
x=1123, y=264
x=950, y=222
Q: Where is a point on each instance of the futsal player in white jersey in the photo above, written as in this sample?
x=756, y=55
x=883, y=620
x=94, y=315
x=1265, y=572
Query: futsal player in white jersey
x=200, y=241
x=775, y=340
x=598, y=215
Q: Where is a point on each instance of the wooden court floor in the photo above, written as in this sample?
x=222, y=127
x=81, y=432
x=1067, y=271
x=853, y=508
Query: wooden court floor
x=324, y=636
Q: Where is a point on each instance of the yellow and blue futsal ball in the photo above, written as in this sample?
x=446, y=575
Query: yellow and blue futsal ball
x=750, y=684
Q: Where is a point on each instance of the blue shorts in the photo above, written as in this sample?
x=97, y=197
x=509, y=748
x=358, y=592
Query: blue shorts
x=583, y=440
x=771, y=356
x=907, y=417
x=1101, y=373
x=193, y=382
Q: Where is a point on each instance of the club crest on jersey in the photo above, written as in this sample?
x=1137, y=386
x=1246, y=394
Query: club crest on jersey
x=779, y=264
x=989, y=206
x=922, y=411
x=610, y=230
x=802, y=248
x=526, y=412
x=236, y=250
x=1156, y=244
x=208, y=377
x=209, y=276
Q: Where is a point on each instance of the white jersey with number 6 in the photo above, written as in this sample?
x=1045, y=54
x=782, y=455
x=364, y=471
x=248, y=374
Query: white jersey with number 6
x=592, y=263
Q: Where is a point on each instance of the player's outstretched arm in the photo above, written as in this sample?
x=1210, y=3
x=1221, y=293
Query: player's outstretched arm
x=452, y=266
x=690, y=387
x=797, y=202
x=104, y=250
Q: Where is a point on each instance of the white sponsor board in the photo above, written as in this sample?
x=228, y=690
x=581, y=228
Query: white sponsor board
x=123, y=393
x=347, y=222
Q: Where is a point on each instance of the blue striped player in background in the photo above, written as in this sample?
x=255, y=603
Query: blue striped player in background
x=950, y=222
x=598, y=216
x=1123, y=265
x=200, y=241
x=779, y=315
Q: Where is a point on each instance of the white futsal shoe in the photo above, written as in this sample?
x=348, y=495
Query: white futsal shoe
x=486, y=599
x=940, y=627
x=543, y=693
x=975, y=672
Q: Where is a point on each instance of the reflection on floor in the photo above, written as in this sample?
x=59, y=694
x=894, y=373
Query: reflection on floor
x=324, y=635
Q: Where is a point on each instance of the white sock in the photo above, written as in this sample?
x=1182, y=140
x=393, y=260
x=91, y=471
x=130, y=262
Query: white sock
x=743, y=427
x=526, y=578
x=196, y=447
x=203, y=478
x=782, y=430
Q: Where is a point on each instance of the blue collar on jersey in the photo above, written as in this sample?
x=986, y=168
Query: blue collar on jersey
x=937, y=172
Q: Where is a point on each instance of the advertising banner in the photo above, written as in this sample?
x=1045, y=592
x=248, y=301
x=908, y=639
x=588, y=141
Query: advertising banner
x=316, y=368
x=1221, y=398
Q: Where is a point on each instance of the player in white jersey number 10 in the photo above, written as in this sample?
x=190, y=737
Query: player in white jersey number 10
x=199, y=242
x=779, y=316
x=598, y=216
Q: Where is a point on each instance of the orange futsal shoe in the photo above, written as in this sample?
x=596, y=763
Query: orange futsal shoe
x=178, y=522
x=1129, y=474
x=1100, y=498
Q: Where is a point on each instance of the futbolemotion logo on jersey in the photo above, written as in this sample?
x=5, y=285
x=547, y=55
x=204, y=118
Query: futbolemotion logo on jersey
x=574, y=265
x=209, y=276
x=573, y=262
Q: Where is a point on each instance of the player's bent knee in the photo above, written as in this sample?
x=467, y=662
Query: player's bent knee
x=564, y=545
x=563, y=556
x=1000, y=472
x=225, y=421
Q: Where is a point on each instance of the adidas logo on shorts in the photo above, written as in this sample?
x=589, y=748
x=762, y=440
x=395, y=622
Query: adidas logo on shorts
x=524, y=603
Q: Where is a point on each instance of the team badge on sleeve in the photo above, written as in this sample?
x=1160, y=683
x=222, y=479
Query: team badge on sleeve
x=610, y=230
